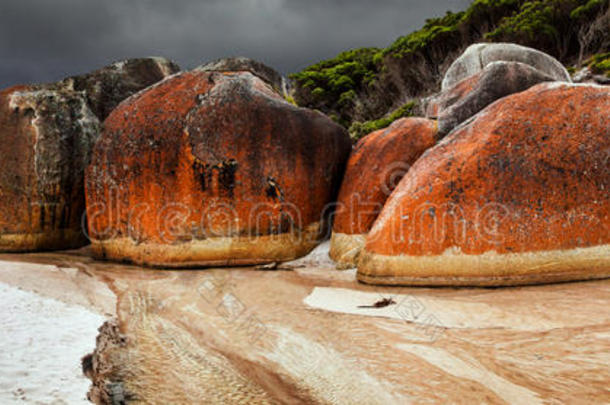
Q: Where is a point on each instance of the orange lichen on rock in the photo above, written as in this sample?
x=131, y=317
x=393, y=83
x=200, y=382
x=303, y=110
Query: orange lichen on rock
x=47, y=136
x=377, y=164
x=210, y=168
x=520, y=194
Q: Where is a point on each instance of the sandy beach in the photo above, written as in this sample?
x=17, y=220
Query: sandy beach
x=302, y=333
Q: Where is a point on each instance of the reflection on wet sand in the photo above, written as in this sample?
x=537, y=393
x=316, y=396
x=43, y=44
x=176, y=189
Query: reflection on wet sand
x=297, y=336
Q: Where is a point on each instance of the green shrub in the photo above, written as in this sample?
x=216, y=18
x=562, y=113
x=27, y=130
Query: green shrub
x=550, y=25
x=359, y=129
x=535, y=18
x=347, y=97
x=586, y=10
x=348, y=71
x=419, y=39
x=337, y=81
x=318, y=92
x=599, y=64
x=478, y=12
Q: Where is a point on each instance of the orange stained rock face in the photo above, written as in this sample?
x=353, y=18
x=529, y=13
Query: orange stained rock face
x=530, y=173
x=376, y=166
x=208, y=155
x=46, y=139
x=17, y=150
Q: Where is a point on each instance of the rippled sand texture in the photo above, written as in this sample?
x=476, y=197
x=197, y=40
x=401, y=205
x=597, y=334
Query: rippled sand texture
x=305, y=336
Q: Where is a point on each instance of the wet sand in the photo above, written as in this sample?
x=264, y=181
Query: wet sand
x=309, y=335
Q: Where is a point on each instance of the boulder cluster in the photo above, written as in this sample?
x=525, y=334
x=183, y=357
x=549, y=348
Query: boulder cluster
x=515, y=190
x=505, y=181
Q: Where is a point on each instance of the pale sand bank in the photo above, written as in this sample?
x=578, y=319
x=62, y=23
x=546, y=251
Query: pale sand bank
x=41, y=343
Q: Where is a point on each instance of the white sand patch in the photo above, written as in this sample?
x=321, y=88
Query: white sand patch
x=447, y=313
x=41, y=343
x=318, y=264
x=316, y=258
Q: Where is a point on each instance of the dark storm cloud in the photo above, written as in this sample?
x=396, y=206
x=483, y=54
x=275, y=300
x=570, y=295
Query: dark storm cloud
x=44, y=40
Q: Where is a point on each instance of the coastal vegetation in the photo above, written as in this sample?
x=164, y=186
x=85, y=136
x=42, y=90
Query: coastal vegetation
x=364, y=88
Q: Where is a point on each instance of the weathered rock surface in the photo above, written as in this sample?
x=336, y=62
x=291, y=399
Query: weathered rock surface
x=212, y=168
x=376, y=166
x=498, y=79
x=585, y=75
x=311, y=336
x=242, y=64
x=46, y=142
x=477, y=56
x=519, y=194
x=48, y=132
x=107, y=87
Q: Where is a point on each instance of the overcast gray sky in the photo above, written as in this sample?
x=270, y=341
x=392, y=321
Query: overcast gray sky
x=46, y=40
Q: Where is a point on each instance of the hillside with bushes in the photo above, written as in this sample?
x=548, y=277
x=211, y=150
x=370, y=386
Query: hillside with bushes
x=366, y=89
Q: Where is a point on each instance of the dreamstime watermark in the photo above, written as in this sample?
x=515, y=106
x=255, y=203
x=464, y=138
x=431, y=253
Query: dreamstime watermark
x=178, y=221
x=427, y=224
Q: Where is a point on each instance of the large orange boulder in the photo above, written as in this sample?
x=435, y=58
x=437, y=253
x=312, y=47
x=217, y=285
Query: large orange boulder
x=518, y=195
x=210, y=169
x=46, y=142
x=377, y=164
